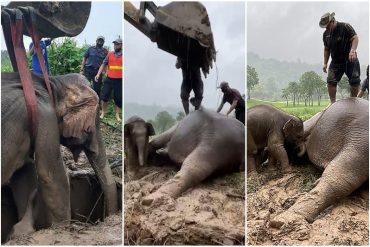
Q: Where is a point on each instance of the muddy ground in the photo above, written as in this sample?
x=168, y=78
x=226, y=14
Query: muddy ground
x=108, y=232
x=211, y=213
x=345, y=223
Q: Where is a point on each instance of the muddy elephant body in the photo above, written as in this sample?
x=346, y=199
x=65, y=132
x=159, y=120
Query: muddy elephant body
x=203, y=143
x=272, y=128
x=71, y=120
x=337, y=142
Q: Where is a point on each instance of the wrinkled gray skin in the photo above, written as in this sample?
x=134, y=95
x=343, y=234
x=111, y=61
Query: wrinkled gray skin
x=338, y=143
x=203, y=143
x=271, y=127
x=73, y=122
x=137, y=133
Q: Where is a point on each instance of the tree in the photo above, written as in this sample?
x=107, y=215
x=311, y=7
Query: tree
x=65, y=57
x=180, y=116
x=343, y=86
x=252, y=79
x=309, y=80
x=285, y=95
x=163, y=121
x=293, y=89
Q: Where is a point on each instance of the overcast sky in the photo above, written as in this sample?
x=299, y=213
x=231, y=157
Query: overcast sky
x=150, y=73
x=290, y=30
x=105, y=19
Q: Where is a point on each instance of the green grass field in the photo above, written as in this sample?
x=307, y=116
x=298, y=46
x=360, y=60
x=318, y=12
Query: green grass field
x=301, y=111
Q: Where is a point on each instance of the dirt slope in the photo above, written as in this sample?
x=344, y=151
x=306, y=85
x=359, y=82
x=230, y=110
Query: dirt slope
x=345, y=223
x=211, y=213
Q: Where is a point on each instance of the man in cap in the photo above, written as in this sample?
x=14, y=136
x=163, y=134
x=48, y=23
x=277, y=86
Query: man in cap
x=365, y=84
x=340, y=42
x=113, y=81
x=91, y=62
x=233, y=97
x=191, y=80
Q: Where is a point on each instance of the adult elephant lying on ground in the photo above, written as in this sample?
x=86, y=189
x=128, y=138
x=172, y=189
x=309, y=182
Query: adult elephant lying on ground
x=203, y=143
x=73, y=122
x=338, y=142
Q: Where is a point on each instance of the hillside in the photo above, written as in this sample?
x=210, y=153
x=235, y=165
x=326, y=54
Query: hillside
x=147, y=111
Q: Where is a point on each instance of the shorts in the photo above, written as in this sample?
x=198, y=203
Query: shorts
x=113, y=85
x=352, y=71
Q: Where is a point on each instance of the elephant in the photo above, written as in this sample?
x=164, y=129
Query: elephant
x=337, y=141
x=268, y=126
x=71, y=120
x=202, y=144
x=137, y=133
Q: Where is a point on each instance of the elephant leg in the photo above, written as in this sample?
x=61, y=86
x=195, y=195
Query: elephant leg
x=26, y=225
x=343, y=175
x=195, y=168
x=160, y=141
x=278, y=152
x=52, y=177
x=251, y=154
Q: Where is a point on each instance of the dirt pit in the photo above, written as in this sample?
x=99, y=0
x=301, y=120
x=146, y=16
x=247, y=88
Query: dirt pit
x=211, y=213
x=345, y=223
x=108, y=232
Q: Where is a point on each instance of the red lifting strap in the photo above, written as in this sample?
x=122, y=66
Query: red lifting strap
x=36, y=46
x=16, y=27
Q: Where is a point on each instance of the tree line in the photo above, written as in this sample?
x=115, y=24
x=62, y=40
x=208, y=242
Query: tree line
x=164, y=120
x=310, y=86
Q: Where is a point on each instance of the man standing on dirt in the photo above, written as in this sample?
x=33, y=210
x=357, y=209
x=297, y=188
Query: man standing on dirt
x=113, y=81
x=364, y=85
x=191, y=80
x=340, y=42
x=233, y=97
x=91, y=62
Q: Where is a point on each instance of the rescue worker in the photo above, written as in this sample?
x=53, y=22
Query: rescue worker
x=35, y=61
x=340, y=42
x=234, y=98
x=91, y=62
x=191, y=80
x=113, y=81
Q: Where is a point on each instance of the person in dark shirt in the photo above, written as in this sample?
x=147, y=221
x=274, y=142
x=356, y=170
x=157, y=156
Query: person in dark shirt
x=35, y=61
x=191, y=80
x=91, y=62
x=365, y=84
x=340, y=42
x=233, y=97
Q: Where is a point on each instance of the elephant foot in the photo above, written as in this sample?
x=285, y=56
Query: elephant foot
x=22, y=228
x=156, y=199
x=287, y=169
x=286, y=218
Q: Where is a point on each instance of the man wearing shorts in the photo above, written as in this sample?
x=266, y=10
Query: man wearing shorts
x=340, y=42
x=113, y=81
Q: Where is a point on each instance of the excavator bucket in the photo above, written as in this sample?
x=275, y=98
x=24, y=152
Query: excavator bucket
x=184, y=30
x=56, y=19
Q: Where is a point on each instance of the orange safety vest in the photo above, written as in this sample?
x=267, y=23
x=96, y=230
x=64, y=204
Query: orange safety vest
x=114, y=66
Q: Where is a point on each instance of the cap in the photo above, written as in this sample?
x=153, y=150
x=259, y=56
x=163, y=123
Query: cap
x=118, y=41
x=100, y=37
x=223, y=84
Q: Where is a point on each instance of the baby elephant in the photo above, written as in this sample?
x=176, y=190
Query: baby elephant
x=270, y=127
x=137, y=133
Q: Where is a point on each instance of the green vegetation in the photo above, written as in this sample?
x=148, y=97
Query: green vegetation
x=301, y=111
x=164, y=120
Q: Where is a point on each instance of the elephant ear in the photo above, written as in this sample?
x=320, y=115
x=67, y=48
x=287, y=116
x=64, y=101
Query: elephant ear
x=151, y=131
x=127, y=130
x=288, y=127
x=78, y=110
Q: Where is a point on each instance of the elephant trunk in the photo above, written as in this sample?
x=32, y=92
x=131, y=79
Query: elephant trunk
x=96, y=155
x=142, y=153
x=302, y=150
